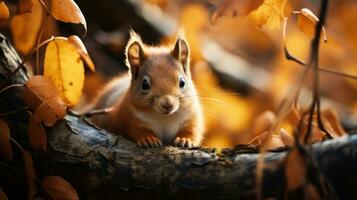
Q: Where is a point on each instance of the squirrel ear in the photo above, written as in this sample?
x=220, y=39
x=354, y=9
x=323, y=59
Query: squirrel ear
x=134, y=57
x=181, y=52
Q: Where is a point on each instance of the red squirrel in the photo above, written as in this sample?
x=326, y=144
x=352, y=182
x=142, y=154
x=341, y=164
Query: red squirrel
x=156, y=103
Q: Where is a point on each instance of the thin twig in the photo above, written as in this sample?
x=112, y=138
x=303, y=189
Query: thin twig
x=289, y=56
x=314, y=63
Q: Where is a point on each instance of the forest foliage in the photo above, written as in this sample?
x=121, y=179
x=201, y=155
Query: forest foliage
x=58, y=77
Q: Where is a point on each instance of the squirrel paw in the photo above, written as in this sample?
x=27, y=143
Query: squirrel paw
x=149, y=141
x=183, y=142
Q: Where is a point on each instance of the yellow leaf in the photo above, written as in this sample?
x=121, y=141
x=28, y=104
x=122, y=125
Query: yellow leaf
x=67, y=11
x=25, y=28
x=77, y=42
x=4, y=11
x=235, y=7
x=270, y=14
x=65, y=68
x=307, y=21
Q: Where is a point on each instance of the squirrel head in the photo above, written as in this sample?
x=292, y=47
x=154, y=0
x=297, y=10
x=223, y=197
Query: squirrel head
x=160, y=76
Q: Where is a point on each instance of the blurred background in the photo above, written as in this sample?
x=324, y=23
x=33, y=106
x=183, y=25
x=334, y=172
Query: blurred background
x=239, y=69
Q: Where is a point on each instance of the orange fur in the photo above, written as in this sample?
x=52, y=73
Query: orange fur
x=166, y=112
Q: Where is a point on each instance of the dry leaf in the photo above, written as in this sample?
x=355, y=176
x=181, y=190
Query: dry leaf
x=57, y=188
x=77, y=42
x=234, y=8
x=270, y=14
x=295, y=170
x=287, y=139
x=331, y=116
x=30, y=174
x=262, y=123
x=67, y=11
x=25, y=28
x=5, y=146
x=41, y=96
x=306, y=21
x=275, y=141
x=3, y=195
x=66, y=70
x=24, y=6
x=37, y=134
x=4, y=12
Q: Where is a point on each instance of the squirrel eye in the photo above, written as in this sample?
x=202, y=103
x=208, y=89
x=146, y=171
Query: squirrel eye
x=145, y=85
x=182, y=82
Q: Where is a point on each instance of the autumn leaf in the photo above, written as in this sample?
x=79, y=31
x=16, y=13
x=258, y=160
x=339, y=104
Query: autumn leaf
x=77, y=42
x=272, y=143
x=57, y=188
x=331, y=116
x=66, y=70
x=68, y=11
x=4, y=12
x=41, y=96
x=270, y=14
x=262, y=123
x=24, y=6
x=25, y=28
x=307, y=21
x=287, y=139
x=5, y=146
x=234, y=8
x=30, y=174
x=295, y=170
x=37, y=134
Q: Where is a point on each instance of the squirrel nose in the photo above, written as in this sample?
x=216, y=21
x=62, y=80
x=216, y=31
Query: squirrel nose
x=166, y=105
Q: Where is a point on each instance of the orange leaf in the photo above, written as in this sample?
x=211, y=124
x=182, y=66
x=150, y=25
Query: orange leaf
x=331, y=116
x=270, y=14
x=41, y=96
x=37, y=134
x=307, y=21
x=30, y=174
x=57, y=188
x=295, y=170
x=25, y=28
x=287, y=138
x=77, y=42
x=24, y=6
x=262, y=123
x=5, y=147
x=67, y=11
x=4, y=11
x=274, y=142
x=235, y=7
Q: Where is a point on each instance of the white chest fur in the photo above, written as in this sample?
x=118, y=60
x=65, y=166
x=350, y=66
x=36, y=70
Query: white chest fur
x=164, y=127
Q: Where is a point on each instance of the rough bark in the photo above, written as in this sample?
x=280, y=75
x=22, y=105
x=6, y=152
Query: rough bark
x=105, y=166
